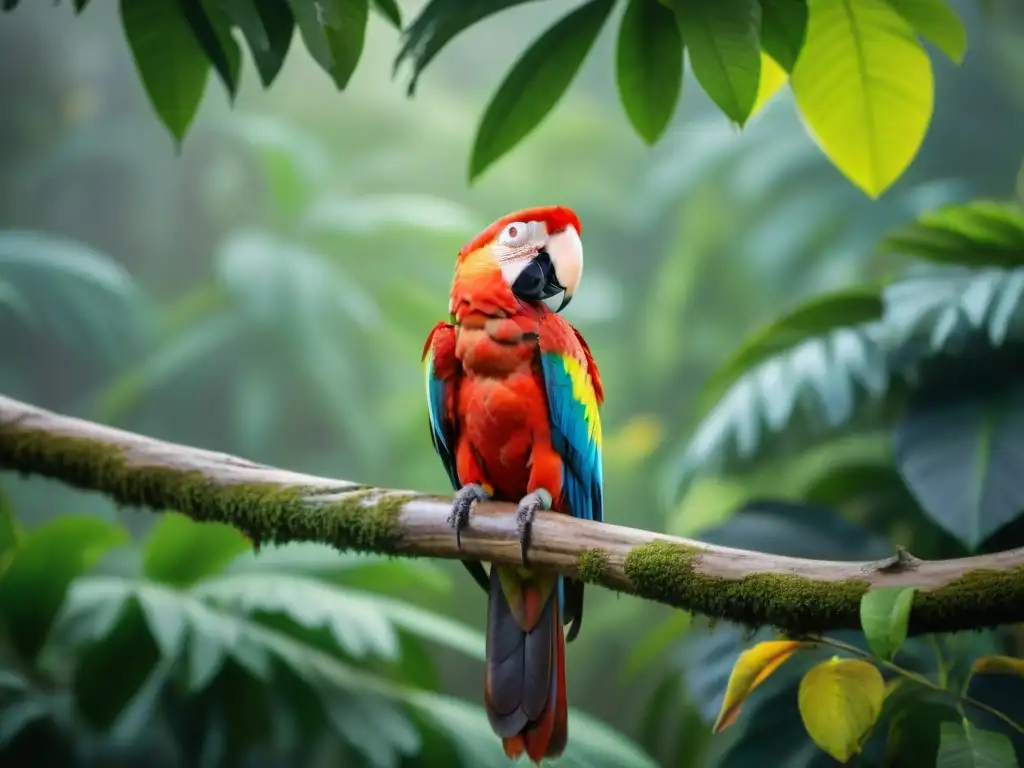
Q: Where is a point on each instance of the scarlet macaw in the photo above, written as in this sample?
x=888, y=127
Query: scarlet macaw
x=513, y=395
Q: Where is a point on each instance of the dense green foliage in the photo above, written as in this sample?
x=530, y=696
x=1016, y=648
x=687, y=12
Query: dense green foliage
x=858, y=69
x=267, y=292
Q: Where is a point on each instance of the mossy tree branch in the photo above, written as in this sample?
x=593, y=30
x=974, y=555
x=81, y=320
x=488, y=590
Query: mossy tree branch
x=276, y=505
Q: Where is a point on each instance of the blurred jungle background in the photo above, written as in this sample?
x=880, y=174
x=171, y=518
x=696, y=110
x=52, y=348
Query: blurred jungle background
x=267, y=290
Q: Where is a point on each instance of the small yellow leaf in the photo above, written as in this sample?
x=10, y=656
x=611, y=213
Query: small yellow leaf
x=773, y=77
x=999, y=665
x=752, y=668
x=840, y=701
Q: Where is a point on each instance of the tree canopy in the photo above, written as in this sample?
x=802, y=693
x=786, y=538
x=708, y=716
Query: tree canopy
x=858, y=69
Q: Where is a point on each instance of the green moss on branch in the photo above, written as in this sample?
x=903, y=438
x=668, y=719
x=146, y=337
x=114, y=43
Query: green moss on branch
x=667, y=572
x=265, y=512
x=592, y=565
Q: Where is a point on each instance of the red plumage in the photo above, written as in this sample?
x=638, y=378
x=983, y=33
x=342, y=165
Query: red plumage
x=496, y=402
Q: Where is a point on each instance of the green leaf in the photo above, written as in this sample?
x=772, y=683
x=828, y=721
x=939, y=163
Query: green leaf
x=722, y=39
x=389, y=10
x=865, y=89
x=936, y=21
x=181, y=552
x=431, y=626
x=10, y=535
x=19, y=714
x=33, y=587
x=915, y=720
x=170, y=61
x=113, y=668
x=961, y=745
x=334, y=32
x=976, y=234
x=357, y=626
x=536, y=82
x=961, y=459
x=783, y=30
x=649, y=62
x=212, y=30
x=884, y=616
x=842, y=308
x=438, y=23
x=268, y=27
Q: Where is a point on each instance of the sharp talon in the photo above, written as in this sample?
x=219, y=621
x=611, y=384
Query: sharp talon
x=528, y=507
x=465, y=498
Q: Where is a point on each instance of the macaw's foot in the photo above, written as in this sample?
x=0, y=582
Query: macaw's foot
x=528, y=507
x=465, y=498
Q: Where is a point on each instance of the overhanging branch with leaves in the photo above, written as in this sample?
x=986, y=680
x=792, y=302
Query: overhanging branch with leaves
x=277, y=505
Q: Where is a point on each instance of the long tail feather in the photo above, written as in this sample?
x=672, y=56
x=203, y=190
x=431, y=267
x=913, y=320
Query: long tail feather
x=524, y=685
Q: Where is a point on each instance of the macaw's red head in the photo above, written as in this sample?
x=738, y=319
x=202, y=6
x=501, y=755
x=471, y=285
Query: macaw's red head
x=537, y=250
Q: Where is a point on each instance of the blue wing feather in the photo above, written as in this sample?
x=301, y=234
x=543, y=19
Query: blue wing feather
x=440, y=427
x=575, y=433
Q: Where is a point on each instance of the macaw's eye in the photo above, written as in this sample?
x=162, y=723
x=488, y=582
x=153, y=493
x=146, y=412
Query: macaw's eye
x=515, y=234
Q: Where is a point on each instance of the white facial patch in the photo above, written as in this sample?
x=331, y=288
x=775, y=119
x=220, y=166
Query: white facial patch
x=516, y=245
x=566, y=251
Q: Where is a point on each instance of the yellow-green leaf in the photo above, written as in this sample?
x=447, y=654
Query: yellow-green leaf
x=865, y=88
x=722, y=39
x=752, y=668
x=936, y=21
x=884, y=617
x=840, y=701
x=773, y=77
x=998, y=665
x=536, y=83
x=649, y=66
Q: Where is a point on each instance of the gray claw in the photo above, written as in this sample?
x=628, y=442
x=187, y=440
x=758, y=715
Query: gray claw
x=465, y=498
x=530, y=504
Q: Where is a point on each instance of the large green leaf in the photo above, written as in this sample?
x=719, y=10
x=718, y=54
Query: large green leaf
x=936, y=21
x=934, y=314
x=180, y=551
x=783, y=30
x=536, y=82
x=790, y=400
x=334, y=32
x=83, y=297
x=373, y=573
x=976, y=234
x=36, y=581
x=211, y=626
x=865, y=88
x=649, y=65
x=437, y=24
x=723, y=42
x=961, y=457
x=846, y=307
x=268, y=27
x=169, y=59
x=212, y=30
x=962, y=745
x=859, y=373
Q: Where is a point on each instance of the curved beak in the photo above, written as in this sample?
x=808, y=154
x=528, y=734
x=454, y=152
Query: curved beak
x=566, y=252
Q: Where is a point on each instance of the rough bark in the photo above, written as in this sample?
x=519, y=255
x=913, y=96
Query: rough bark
x=273, y=505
